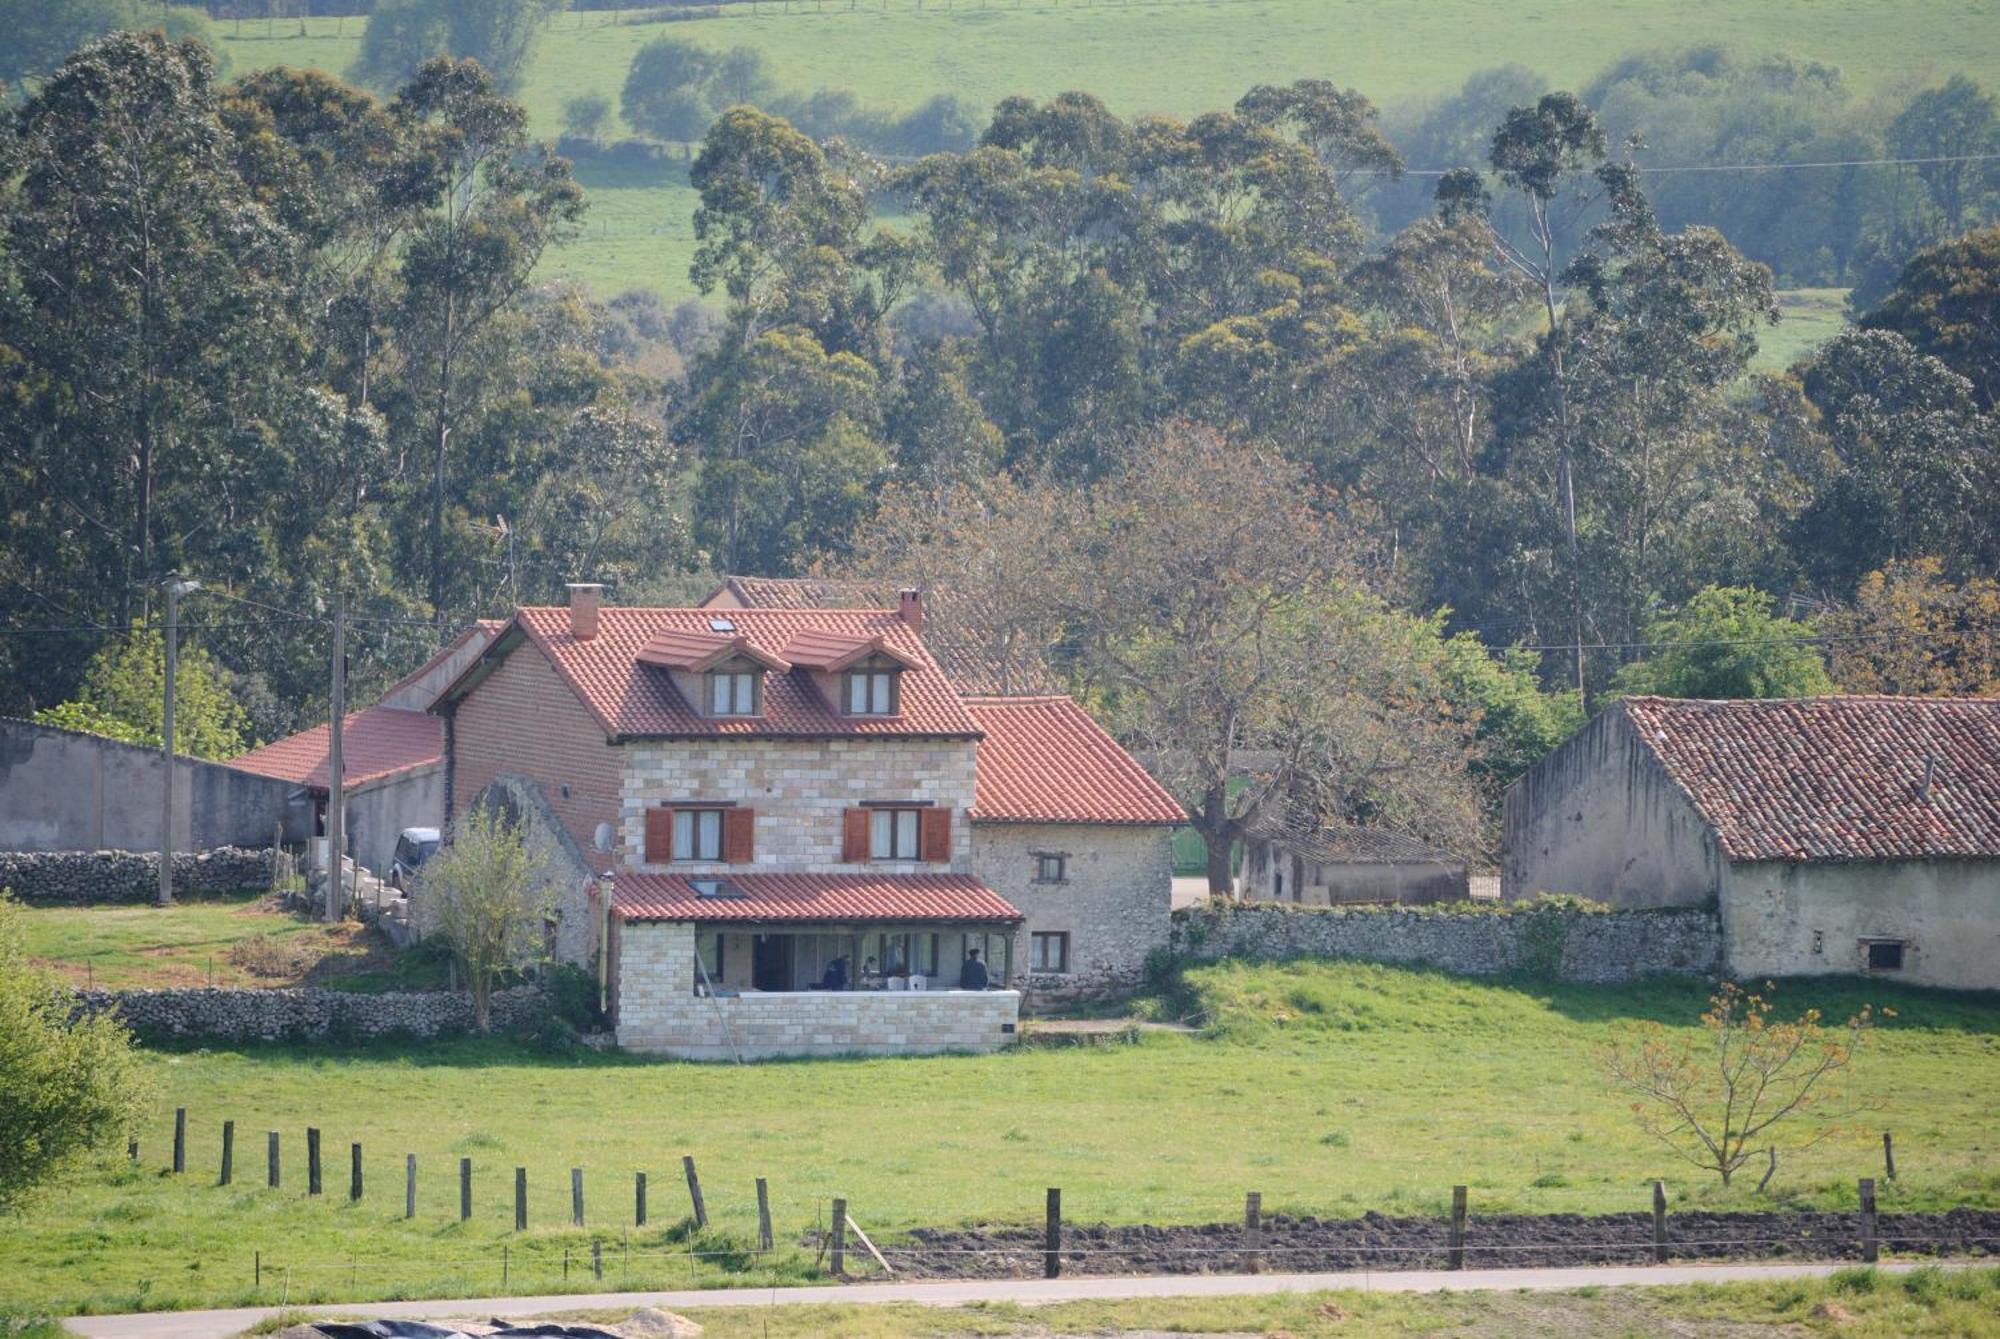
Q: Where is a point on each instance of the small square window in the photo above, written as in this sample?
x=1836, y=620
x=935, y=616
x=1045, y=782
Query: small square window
x=1048, y=951
x=892, y=834
x=1885, y=955
x=1051, y=867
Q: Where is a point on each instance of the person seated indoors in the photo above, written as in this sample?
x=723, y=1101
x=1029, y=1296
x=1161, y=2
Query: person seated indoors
x=835, y=978
x=972, y=976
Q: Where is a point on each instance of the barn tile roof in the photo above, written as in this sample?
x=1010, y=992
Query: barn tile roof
x=961, y=633
x=375, y=742
x=1044, y=760
x=810, y=897
x=1834, y=778
x=635, y=700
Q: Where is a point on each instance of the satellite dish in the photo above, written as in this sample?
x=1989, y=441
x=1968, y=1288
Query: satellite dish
x=603, y=838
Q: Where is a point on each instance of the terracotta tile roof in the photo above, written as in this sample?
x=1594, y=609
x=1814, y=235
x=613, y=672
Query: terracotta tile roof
x=1044, y=760
x=810, y=897
x=962, y=635
x=632, y=699
x=814, y=649
x=375, y=742
x=1834, y=778
x=676, y=648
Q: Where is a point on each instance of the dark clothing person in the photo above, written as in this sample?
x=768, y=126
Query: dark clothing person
x=972, y=976
x=836, y=975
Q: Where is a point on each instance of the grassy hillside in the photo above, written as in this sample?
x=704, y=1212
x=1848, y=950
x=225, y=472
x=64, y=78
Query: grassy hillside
x=1175, y=56
x=1333, y=1089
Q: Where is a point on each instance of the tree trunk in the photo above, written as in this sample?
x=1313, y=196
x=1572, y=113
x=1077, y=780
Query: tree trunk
x=1218, y=833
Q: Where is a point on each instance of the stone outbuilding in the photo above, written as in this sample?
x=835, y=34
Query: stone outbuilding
x=1833, y=835
x=1337, y=865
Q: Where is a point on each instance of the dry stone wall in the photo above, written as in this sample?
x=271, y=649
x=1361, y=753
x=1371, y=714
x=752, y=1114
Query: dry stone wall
x=1558, y=941
x=73, y=878
x=308, y=1015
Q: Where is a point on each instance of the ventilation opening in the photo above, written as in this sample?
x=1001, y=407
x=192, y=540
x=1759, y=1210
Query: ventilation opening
x=1885, y=955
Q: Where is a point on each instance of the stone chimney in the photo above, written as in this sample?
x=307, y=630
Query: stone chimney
x=584, y=597
x=910, y=604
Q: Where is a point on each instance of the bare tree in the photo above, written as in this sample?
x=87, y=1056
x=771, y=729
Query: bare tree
x=489, y=893
x=1718, y=1098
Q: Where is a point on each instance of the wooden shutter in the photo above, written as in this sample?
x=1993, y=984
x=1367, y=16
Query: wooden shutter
x=659, y=835
x=934, y=835
x=739, y=836
x=854, y=836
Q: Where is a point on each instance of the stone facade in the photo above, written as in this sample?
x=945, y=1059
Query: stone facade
x=1566, y=943
x=237, y=1016
x=659, y=1012
x=799, y=790
x=77, y=877
x=1114, y=901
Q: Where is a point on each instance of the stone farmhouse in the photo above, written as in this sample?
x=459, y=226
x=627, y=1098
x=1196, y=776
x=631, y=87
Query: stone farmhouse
x=1832, y=835
x=1330, y=865
x=804, y=826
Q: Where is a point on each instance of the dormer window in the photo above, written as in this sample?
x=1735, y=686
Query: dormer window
x=735, y=693
x=873, y=692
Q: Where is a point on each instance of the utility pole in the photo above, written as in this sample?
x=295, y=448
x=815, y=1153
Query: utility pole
x=336, y=805
x=175, y=589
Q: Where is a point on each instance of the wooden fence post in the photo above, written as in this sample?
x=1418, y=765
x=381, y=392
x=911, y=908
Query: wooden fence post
x=520, y=1199
x=409, y=1185
x=1870, y=1250
x=1052, y=1235
x=763, y=1215
x=638, y=1199
x=132, y=1150
x=1253, y=1232
x=838, y=1264
x=228, y=1152
x=1458, y=1227
x=464, y=1189
x=312, y=1161
x=694, y=1192
x=596, y=1258
x=180, y=1138
x=576, y=1196
x=271, y=1156
x=1889, y=1154
x=1659, y=1222
x=354, y=1173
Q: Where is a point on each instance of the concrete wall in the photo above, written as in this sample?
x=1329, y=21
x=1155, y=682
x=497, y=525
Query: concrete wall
x=659, y=1012
x=1599, y=818
x=62, y=790
x=1786, y=919
x=1114, y=903
x=1567, y=944
x=378, y=813
x=419, y=690
x=1311, y=882
x=799, y=790
x=524, y=720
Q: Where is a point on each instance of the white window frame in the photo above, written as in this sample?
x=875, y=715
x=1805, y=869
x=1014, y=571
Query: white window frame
x=893, y=832
x=694, y=828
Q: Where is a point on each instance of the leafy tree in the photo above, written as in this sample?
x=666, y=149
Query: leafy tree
x=1726, y=643
x=1518, y=722
x=1946, y=303
x=42, y=33
x=488, y=893
x=669, y=90
x=72, y=1084
x=1911, y=630
x=1727, y=1094
x=124, y=695
x=586, y=115
x=1945, y=126
x=940, y=431
x=403, y=35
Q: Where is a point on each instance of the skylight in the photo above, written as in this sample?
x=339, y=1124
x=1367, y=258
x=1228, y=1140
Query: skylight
x=716, y=890
x=722, y=625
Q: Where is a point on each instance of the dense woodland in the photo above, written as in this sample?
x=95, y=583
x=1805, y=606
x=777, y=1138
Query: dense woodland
x=1261, y=444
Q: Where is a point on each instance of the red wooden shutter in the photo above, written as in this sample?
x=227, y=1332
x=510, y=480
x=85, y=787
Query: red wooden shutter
x=934, y=833
x=854, y=836
x=739, y=839
x=659, y=835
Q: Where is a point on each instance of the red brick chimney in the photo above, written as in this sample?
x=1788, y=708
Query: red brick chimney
x=584, y=597
x=910, y=604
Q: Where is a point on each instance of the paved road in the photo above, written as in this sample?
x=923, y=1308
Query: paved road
x=217, y=1324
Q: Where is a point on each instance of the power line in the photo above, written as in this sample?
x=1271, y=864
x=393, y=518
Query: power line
x=1678, y=168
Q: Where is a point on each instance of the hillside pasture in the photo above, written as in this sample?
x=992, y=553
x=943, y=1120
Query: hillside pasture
x=1334, y=1089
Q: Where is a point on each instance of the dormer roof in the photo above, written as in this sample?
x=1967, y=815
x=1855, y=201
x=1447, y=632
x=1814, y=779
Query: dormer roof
x=819, y=649
x=698, y=652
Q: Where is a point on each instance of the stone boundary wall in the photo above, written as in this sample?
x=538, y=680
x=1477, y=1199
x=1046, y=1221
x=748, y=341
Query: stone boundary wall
x=308, y=1014
x=1559, y=942
x=74, y=878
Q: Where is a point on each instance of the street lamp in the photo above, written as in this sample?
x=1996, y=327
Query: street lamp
x=176, y=587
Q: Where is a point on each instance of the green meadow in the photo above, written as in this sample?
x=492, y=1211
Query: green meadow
x=1334, y=1089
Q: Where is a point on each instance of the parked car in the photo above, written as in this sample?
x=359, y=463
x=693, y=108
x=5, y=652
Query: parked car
x=413, y=848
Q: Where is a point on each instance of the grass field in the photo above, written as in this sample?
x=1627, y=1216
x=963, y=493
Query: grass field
x=222, y=941
x=1332, y=1089
x=1807, y=317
